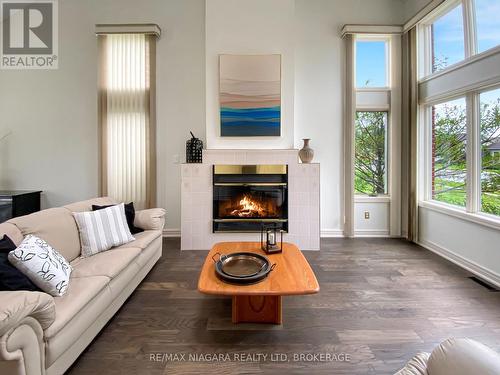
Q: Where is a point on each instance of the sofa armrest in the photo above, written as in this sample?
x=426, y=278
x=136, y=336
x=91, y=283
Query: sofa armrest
x=463, y=356
x=150, y=219
x=15, y=306
x=415, y=366
x=23, y=317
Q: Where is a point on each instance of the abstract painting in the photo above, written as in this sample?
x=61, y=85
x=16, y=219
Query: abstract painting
x=250, y=95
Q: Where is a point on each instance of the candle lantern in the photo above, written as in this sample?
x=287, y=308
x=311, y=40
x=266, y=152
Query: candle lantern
x=269, y=238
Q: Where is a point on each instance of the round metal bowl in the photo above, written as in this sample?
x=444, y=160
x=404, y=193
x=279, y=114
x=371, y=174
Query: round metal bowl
x=242, y=268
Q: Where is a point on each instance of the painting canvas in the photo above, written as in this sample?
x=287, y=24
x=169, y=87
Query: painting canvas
x=250, y=95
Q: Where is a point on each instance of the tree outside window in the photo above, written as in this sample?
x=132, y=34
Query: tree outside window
x=370, y=153
x=490, y=152
x=449, y=135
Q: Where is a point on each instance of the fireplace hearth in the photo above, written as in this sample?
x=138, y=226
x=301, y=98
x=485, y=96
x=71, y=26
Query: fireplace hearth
x=245, y=196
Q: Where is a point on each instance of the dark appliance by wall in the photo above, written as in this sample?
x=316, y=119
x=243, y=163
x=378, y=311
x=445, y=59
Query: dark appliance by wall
x=14, y=203
x=245, y=196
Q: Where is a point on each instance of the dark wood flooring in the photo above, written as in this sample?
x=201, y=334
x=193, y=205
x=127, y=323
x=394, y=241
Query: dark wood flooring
x=381, y=301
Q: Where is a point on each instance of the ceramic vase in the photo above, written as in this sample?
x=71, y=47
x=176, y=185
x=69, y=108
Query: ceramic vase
x=306, y=153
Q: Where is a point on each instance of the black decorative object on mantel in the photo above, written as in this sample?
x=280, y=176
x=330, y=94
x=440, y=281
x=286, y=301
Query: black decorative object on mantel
x=194, y=150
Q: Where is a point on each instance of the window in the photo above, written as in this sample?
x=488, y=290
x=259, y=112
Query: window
x=490, y=151
x=449, y=133
x=447, y=39
x=371, y=63
x=127, y=117
x=370, y=176
x=487, y=24
x=459, y=139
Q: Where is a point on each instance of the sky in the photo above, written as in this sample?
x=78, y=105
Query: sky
x=370, y=64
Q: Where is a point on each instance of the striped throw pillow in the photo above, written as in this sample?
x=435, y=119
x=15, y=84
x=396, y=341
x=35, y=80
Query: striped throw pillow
x=101, y=230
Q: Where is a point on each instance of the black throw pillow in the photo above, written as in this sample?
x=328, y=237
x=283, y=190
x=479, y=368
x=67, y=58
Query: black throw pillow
x=10, y=277
x=129, y=214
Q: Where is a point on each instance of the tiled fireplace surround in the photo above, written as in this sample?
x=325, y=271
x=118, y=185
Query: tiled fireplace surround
x=197, y=199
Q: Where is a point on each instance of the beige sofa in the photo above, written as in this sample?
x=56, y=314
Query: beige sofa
x=40, y=334
x=459, y=356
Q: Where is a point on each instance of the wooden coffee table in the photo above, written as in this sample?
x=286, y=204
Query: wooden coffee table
x=261, y=302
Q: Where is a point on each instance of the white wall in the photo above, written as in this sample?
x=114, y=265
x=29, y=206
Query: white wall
x=411, y=7
x=258, y=27
x=53, y=114
x=377, y=224
x=319, y=72
x=468, y=244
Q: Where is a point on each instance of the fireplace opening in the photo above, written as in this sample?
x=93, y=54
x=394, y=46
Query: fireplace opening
x=246, y=196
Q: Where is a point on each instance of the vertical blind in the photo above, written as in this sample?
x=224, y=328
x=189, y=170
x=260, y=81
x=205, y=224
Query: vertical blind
x=126, y=122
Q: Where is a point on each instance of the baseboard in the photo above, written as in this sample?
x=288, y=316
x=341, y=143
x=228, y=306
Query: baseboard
x=325, y=233
x=371, y=233
x=331, y=233
x=478, y=270
x=167, y=232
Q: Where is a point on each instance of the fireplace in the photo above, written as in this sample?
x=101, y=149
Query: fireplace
x=245, y=196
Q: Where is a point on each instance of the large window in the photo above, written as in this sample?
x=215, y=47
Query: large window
x=460, y=110
x=448, y=152
x=490, y=152
x=371, y=63
x=370, y=164
x=448, y=39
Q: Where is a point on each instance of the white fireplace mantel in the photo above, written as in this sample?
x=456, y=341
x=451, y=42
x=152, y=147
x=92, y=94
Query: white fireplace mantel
x=197, y=198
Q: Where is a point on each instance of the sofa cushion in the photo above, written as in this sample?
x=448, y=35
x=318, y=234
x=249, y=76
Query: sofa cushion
x=10, y=277
x=16, y=306
x=12, y=232
x=101, y=230
x=142, y=240
x=80, y=292
x=54, y=225
x=129, y=214
x=463, y=357
x=43, y=265
x=108, y=263
x=87, y=205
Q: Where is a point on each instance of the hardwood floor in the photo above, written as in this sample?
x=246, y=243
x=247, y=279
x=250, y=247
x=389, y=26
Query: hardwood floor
x=381, y=301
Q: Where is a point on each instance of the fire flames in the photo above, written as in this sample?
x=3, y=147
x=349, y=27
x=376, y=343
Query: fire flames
x=249, y=208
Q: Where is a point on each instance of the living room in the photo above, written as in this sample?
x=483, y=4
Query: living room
x=349, y=149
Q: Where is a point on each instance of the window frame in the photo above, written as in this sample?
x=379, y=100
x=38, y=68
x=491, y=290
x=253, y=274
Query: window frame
x=387, y=99
x=426, y=118
x=472, y=210
x=471, y=92
x=470, y=37
x=374, y=102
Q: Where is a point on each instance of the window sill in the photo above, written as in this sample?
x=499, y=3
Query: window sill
x=368, y=199
x=480, y=219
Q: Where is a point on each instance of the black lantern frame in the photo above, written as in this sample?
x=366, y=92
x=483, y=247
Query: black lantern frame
x=269, y=238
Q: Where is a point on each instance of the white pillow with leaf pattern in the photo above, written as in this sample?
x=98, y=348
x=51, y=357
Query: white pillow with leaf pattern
x=42, y=264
